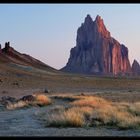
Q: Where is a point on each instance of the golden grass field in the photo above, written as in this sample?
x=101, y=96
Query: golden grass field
x=90, y=111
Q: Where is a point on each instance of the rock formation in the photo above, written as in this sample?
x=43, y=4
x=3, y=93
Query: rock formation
x=136, y=68
x=10, y=55
x=96, y=52
x=8, y=49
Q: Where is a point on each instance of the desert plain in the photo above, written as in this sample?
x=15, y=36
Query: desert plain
x=64, y=90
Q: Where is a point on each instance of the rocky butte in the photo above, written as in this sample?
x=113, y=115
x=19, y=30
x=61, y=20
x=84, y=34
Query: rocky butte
x=96, y=52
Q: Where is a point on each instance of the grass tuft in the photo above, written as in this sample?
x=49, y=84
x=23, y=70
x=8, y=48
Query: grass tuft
x=71, y=117
x=94, y=111
x=19, y=104
x=40, y=100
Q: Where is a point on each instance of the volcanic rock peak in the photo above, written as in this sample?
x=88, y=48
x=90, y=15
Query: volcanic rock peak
x=101, y=27
x=96, y=51
x=88, y=19
x=98, y=26
x=99, y=20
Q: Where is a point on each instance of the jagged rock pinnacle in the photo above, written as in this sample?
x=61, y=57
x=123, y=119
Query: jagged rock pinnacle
x=98, y=18
x=96, y=52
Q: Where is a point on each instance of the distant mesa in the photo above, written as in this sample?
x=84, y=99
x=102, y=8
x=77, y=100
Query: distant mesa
x=96, y=52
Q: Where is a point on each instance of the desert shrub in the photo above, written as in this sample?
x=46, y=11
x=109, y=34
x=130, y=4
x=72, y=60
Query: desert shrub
x=113, y=116
x=103, y=115
x=42, y=100
x=85, y=110
x=19, y=104
x=90, y=101
x=71, y=117
x=134, y=108
x=130, y=123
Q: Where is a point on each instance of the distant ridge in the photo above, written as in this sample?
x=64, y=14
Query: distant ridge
x=9, y=55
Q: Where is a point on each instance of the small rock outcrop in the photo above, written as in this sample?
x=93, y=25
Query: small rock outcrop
x=7, y=49
x=96, y=52
x=135, y=68
x=28, y=98
x=7, y=99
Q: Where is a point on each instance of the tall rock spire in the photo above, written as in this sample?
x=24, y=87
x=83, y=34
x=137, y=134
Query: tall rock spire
x=101, y=27
x=88, y=19
x=96, y=52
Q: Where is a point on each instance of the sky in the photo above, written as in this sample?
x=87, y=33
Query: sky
x=48, y=31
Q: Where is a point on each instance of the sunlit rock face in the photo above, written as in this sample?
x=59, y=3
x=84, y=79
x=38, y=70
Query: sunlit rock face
x=135, y=68
x=96, y=52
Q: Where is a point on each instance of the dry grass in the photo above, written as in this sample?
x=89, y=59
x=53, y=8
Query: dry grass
x=130, y=123
x=85, y=110
x=70, y=117
x=40, y=100
x=74, y=116
x=134, y=108
x=91, y=101
x=19, y=104
x=95, y=111
x=109, y=116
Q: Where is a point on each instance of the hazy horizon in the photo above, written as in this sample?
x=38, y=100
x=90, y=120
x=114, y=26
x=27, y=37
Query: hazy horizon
x=48, y=31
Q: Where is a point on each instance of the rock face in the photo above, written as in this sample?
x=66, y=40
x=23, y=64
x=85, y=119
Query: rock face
x=136, y=68
x=96, y=52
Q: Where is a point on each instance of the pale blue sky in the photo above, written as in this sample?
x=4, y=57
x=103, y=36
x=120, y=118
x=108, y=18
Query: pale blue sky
x=48, y=31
